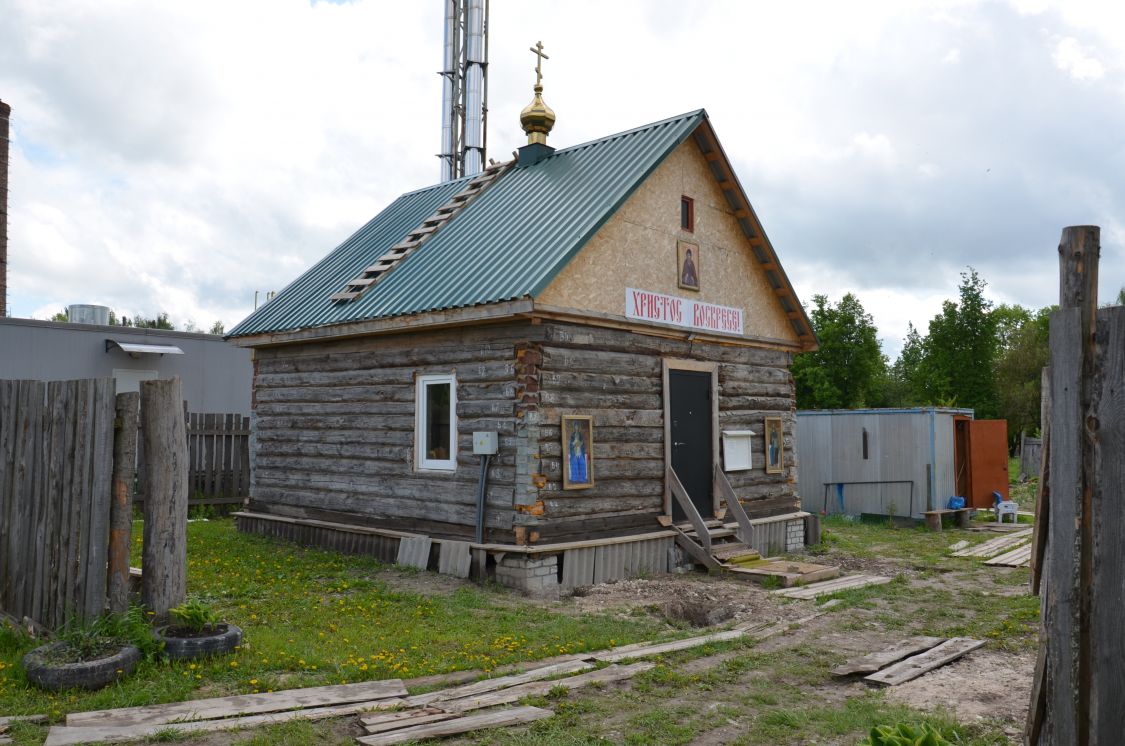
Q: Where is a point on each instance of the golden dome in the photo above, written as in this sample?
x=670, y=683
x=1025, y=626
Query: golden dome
x=537, y=119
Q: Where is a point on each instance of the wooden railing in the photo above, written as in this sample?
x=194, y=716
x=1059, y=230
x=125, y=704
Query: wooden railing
x=689, y=508
x=745, y=528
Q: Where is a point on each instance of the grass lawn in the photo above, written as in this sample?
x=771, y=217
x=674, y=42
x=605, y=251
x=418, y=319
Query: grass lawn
x=312, y=618
x=315, y=617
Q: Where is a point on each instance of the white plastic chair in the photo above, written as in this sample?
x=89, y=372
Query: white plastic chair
x=1007, y=507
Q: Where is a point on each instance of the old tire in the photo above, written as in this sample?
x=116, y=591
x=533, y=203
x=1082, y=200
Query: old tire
x=83, y=675
x=187, y=648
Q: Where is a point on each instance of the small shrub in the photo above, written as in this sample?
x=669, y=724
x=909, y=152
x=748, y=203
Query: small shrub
x=102, y=636
x=904, y=735
x=194, y=615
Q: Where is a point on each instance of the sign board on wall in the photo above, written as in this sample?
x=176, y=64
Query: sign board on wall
x=682, y=312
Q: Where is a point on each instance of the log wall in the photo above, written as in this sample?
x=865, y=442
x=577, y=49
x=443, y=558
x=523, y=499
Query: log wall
x=616, y=376
x=334, y=428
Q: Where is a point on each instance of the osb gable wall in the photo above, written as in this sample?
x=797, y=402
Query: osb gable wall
x=335, y=425
x=616, y=377
x=637, y=248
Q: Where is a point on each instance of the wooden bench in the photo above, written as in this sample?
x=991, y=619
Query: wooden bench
x=961, y=515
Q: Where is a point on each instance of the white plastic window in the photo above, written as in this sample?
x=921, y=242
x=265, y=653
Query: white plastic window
x=436, y=426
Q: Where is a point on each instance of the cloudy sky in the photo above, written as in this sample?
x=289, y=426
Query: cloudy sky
x=179, y=155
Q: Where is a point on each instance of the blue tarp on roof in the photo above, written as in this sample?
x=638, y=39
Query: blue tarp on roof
x=509, y=243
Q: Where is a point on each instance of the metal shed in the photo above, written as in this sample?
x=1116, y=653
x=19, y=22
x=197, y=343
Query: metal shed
x=898, y=462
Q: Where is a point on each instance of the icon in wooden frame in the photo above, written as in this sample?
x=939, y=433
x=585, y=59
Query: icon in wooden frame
x=577, y=451
x=774, y=446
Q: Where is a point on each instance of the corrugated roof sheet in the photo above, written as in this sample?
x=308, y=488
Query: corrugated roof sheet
x=509, y=243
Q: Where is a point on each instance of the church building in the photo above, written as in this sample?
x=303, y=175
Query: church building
x=549, y=371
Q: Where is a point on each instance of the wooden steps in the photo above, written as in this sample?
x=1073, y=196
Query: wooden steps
x=788, y=573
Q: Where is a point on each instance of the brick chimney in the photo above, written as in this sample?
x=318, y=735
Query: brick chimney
x=5, y=112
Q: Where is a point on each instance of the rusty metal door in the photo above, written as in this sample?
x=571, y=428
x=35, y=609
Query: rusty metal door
x=988, y=461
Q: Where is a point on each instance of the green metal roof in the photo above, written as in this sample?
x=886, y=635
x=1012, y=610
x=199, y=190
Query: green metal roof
x=508, y=243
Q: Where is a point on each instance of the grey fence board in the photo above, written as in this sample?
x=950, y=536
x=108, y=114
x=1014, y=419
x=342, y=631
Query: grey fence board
x=55, y=465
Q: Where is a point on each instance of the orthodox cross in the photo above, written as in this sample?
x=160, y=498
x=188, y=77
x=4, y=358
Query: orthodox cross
x=538, y=51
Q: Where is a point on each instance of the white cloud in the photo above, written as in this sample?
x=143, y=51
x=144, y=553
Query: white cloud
x=1070, y=57
x=952, y=57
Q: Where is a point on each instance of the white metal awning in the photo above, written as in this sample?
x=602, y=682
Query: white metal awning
x=136, y=349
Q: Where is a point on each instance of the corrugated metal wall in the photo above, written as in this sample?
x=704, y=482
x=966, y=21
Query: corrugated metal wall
x=602, y=564
x=892, y=479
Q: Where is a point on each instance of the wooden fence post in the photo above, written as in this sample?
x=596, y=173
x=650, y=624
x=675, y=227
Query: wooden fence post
x=164, y=558
x=1068, y=569
x=121, y=511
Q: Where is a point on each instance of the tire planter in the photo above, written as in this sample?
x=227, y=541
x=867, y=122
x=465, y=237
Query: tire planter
x=95, y=674
x=223, y=640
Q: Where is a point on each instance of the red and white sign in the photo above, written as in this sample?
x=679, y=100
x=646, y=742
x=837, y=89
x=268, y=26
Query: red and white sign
x=684, y=312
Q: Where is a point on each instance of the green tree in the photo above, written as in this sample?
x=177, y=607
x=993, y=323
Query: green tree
x=60, y=316
x=846, y=370
x=217, y=328
x=160, y=322
x=960, y=352
x=1018, y=374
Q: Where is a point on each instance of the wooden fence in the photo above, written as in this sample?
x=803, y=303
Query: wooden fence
x=56, y=463
x=218, y=460
x=1031, y=450
x=1077, y=691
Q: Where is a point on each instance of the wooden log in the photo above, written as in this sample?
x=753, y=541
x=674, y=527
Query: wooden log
x=121, y=512
x=1106, y=428
x=165, y=515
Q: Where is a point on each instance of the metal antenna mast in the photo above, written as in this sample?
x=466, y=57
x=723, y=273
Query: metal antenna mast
x=464, y=103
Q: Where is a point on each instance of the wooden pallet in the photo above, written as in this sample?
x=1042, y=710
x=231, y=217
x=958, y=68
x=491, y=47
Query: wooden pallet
x=997, y=545
x=1018, y=557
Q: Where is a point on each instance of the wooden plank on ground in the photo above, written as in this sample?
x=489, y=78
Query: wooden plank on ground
x=1018, y=557
x=501, y=682
x=644, y=649
x=65, y=735
x=878, y=659
x=832, y=586
x=7, y=720
x=997, y=545
x=242, y=704
x=539, y=688
x=414, y=551
x=963, y=544
x=915, y=666
x=388, y=721
x=454, y=558
x=480, y=721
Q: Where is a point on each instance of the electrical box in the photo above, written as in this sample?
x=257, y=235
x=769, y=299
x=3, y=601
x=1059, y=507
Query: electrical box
x=485, y=443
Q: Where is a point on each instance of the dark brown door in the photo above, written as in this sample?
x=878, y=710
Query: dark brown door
x=690, y=407
x=988, y=461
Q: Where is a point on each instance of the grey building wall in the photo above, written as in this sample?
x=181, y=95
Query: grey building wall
x=216, y=375
x=893, y=478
